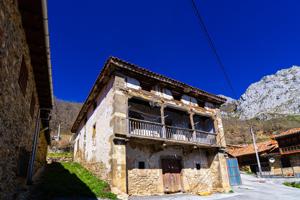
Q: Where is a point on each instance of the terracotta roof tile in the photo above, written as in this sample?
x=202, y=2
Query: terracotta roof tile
x=241, y=150
x=288, y=132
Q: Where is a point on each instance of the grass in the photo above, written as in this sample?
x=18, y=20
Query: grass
x=249, y=172
x=72, y=180
x=292, y=184
x=60, y=155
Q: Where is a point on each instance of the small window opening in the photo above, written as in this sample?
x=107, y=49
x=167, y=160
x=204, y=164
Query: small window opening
x=176, y=96
x=23, y=77
x=23, y=162
x=285, y=162
x=94, y=131
x=146, y=86
x=198, y=166
x=141, y=165
x=201, y=103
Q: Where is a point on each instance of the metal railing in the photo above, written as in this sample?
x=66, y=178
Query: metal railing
x=157, y=130
x=290, y=149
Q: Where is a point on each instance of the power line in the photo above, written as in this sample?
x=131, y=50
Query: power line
x=213, y=47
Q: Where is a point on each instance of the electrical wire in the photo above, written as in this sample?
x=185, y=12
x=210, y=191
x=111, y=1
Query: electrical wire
x=213, y=47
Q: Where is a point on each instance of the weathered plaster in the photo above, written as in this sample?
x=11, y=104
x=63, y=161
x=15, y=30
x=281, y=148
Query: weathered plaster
x=95, y=152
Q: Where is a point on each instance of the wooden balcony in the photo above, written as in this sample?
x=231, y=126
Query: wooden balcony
x=153, y=130
x=290, y=150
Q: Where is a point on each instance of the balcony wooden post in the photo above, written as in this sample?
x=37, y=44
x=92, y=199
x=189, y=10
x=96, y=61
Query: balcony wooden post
x=193, y=125
x=162, y=116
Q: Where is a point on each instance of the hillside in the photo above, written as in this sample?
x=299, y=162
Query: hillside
x=64, y=113
x=237, y=131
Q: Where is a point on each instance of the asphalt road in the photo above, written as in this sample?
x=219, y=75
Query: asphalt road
x=252, y=189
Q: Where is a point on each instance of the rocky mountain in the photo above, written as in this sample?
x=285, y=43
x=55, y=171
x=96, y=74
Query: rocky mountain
x=270, y=105
x=273, y=96
x=64, y=113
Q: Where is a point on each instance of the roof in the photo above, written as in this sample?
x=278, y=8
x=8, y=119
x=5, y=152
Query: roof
x=288, y=132
x=34, y=26
x=114, y=64
x=248, y=149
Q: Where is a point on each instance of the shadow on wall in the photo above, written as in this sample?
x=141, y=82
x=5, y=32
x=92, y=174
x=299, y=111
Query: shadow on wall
x=58, y=183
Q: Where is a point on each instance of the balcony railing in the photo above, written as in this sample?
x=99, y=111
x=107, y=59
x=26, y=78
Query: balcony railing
x=156, y=130
x=176, y=133
x=145, y=128
x=291, y=149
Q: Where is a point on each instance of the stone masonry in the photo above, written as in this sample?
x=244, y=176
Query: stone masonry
x=17, y=123
x=117, y=155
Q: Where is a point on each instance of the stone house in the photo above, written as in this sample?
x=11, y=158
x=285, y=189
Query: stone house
x=279, y=156
x=148, y=134
x=246, y=156
x=25, y=93
x=287, y=161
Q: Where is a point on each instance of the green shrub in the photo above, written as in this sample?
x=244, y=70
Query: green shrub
x=292, y=184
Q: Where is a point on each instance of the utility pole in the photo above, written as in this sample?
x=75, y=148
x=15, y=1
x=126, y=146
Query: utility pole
x=256, y=153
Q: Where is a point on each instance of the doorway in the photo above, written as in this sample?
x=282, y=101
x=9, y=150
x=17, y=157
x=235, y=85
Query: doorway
x=171, y=169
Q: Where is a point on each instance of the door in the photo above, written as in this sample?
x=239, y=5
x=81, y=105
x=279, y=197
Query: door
x=171, y=168
x=233, y=172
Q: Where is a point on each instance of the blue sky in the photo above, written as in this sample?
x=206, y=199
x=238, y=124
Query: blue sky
x=253, y=37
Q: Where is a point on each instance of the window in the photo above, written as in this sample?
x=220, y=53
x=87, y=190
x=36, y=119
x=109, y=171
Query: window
x=201, y=103
x=23, y=162
x=285, y=162
x=176, y=95
x=198, y=166
x=23, y=77
x=32, y=105
x=77, y=145
x=94, y=131
x=141, y=165
x=204, y=123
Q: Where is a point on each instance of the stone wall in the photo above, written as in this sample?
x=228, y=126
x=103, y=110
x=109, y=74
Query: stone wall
x=145, y=181
x=288, y=171
x=149, y=181
x=41, y=152
x=16, y=122
x=295, y=162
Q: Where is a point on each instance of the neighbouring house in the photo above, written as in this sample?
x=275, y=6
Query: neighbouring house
x=25, y=93
x=279, y=156
x=287, y=161
x=246, y=156
x=148, y=134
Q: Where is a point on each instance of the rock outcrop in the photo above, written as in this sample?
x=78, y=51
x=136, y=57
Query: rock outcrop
x=273, y=96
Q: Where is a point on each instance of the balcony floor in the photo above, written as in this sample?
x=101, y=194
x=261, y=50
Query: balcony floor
x=156, y=140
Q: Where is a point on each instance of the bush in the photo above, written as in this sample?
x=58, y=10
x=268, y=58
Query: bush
x=292, y=184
